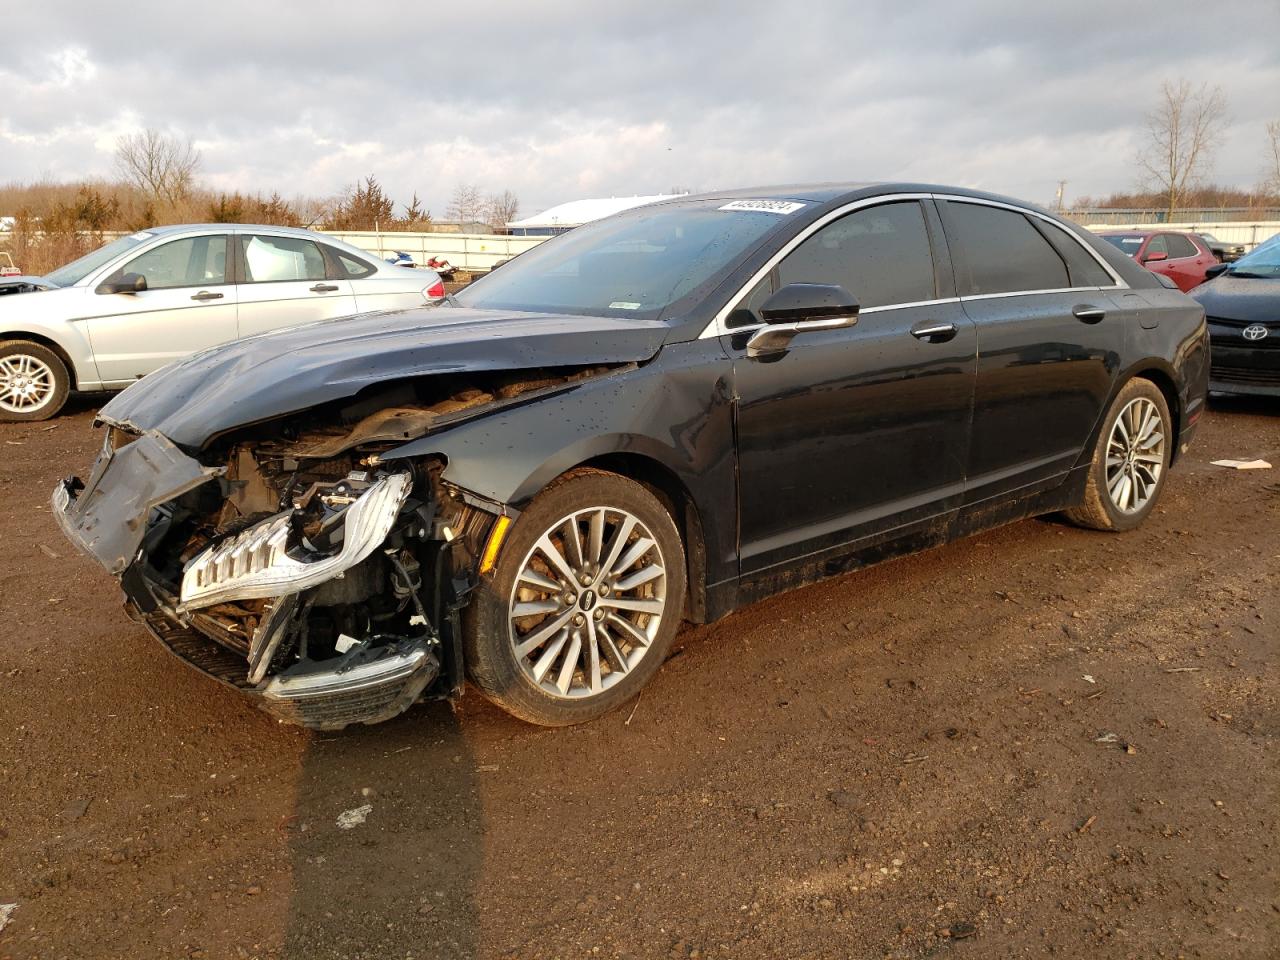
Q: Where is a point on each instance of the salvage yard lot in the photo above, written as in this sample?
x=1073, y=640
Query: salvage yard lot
x=1041, y=741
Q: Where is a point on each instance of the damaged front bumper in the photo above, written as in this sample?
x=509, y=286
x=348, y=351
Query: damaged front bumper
x=322, y=623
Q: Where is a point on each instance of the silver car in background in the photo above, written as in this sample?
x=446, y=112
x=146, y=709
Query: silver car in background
x=158, y=295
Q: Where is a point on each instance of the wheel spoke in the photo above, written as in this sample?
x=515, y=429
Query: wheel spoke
x=616, y=660
x=532, y=608
x=570, y=665
x=634, y=633
x=619, y=541
x=541, y=634
x=640, y=577
x=639, y=606
x=549, y=656
x=556, y=558
x=637, y=550
x=593, y=657
x=573, y=542
x=542, y=582
x=595, y=536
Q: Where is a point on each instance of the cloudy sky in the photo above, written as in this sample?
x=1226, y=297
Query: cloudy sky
x=558, y=100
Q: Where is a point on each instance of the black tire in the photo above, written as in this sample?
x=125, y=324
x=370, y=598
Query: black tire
x=57, y=389
x=1099, y=510
x=490, y=636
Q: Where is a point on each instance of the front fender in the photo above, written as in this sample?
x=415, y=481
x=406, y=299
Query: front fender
x=676, y=411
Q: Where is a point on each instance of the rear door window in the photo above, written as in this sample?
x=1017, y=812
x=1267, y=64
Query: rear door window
x=879, y=254
x=1180, y=246
x=353, y=267
x=999, y=251
x=276, y=259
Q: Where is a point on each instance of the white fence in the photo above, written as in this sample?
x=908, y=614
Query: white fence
x=1250, y=234
x=467, y=251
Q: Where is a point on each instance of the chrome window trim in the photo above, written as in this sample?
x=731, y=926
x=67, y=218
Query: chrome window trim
x=717, y=328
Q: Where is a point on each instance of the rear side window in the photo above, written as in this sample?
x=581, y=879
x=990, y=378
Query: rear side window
x=880, y=255
x=1180, y=246
x=353, y=267
x=275, y=259
x=1084, y=269
x=1000, y=251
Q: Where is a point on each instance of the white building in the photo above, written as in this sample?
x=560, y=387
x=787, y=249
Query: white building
x=575, y=213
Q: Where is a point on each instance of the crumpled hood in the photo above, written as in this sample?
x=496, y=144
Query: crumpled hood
x=285, y=371
x=1245, y=299
x=23, y=283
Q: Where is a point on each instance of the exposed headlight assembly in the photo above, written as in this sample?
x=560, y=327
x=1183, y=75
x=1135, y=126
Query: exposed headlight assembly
x=258, y=561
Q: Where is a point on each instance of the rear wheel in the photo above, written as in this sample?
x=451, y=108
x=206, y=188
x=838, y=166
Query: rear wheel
x=582, y=604
x=34, y=381
x=1130, y=460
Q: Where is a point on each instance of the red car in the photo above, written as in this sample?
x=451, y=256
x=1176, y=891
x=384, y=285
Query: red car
x=1182, y=257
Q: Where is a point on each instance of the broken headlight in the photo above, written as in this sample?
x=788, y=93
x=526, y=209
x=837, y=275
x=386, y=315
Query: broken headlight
x=269, y=559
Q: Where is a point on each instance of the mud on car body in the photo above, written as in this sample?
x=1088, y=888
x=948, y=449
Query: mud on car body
x=656, y=417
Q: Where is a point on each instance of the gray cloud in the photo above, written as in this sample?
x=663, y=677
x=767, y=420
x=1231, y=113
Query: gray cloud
x=559, y=100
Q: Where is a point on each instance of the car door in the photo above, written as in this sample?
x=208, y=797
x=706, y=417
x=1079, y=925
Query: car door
x=1187, y=262
x=188, y=305
x=285, y=280
x=1048, y=352
x=863, y=429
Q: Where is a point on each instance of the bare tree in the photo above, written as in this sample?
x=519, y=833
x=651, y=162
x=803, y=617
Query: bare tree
x=466, y=203
x=1272, y=176
x=162, y=166
x=501, y=209
x=1181, y=135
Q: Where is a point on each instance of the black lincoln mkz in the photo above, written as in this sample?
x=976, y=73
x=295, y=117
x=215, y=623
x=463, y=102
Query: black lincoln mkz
x=656, y=417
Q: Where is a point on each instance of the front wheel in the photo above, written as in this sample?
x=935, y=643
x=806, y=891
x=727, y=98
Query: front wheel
x=34, y=381
x=1130, y=460
x=582, y=604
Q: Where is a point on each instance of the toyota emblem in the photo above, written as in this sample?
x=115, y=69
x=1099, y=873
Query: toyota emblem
x=1255, y=331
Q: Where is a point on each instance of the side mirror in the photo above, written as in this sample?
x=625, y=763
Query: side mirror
x=1154, y=257
x=800, y=307
x=1215, y=271
x=127, y=283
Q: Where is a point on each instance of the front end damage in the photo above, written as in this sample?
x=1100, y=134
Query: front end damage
x=292, y=560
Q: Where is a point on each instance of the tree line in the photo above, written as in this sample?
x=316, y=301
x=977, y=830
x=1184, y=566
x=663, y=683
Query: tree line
x=157, y=182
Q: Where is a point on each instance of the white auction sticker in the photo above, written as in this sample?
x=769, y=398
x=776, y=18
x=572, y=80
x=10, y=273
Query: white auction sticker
x=765, y=206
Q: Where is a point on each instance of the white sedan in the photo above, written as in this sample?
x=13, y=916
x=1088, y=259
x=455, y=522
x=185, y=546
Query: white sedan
x=142, y=301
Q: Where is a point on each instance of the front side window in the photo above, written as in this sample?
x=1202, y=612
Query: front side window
x=1157, y=245
x=1001, y=252
x=189, y=262
x=276, y=259
x=880, y=254
x=1180, y=246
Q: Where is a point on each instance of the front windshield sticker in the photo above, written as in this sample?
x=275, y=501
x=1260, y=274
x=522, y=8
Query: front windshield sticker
x=623, y=305
x=765, y=206
x=141, y=235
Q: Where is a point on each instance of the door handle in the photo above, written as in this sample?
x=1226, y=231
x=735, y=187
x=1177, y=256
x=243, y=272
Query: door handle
x=934, y=332
x=1088, y=313
x=324, y=288
x=206, y=295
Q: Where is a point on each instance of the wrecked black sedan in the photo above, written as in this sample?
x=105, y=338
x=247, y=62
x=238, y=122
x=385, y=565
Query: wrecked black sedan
x=656, y=417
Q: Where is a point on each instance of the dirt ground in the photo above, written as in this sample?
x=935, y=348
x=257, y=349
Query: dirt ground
x=1037, y=742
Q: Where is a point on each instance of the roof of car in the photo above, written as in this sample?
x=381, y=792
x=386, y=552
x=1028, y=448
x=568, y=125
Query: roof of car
x=1145, y=232
x=181, y=227
x=845, y=192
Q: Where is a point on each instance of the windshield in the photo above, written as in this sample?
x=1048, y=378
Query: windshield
x=1128, y=243
x=77, y=270
x=634, y=264
x=1264, y=261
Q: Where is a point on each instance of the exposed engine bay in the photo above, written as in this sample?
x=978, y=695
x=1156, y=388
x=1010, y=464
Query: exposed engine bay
x=290, y=560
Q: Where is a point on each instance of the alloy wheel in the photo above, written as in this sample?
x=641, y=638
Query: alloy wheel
x=1135, y=455
x=26, y=383
x=588, y=602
